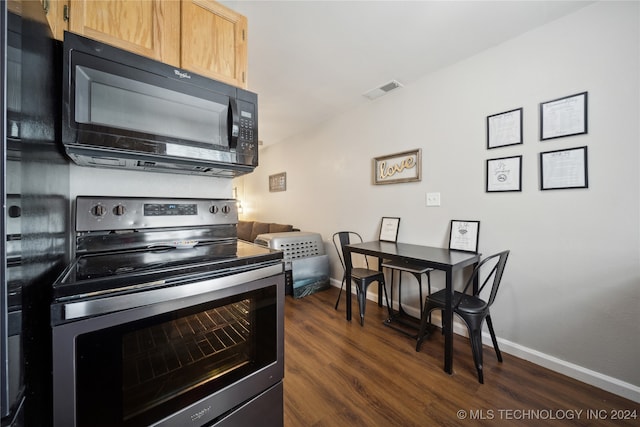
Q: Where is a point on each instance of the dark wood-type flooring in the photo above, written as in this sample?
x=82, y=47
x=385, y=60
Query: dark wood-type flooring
x=338, y=373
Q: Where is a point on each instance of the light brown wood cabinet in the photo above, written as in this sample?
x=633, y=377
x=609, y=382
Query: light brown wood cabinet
x=149, y=28
x=214, y=41
x=56, y=16
x=201, y=36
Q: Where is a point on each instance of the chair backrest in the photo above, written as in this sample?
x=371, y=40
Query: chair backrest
x=495, y=273
x=342, y=238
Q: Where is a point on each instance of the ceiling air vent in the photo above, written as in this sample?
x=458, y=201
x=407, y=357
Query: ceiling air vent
x=383, y=90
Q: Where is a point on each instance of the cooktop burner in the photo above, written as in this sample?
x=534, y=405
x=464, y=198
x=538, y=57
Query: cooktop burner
x=137, y=270
x=114, y=264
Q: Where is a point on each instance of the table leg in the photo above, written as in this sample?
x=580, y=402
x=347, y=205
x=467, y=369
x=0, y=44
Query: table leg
x=476, y=280
x=391, y=288
x=347, y=262
x=447, y=324
x=379, y=284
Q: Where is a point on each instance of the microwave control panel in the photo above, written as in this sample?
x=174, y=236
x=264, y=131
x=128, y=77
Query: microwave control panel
x=246, y=126
x=247, y=148
x=247, y=121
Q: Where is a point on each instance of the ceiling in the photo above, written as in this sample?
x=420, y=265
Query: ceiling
x=312, y=60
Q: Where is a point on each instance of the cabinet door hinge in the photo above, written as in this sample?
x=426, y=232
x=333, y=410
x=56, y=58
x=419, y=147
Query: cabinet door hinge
x=244, y=37
x=65, y=13
x=45, y=6
x=244, y=78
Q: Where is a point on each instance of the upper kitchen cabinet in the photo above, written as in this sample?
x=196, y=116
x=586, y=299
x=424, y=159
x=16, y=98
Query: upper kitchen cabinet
x=147, y=27
x=214, y=41
x=201, y=36
x=56, y=11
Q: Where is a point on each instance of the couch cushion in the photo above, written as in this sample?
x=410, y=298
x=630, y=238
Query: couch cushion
x=280, y=228
x=259, y=228
x=244, y=230
x=249, y=230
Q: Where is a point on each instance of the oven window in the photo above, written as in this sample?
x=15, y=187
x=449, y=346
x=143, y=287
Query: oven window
x=141, y=372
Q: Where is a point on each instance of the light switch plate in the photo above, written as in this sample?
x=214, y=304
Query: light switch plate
x=433, y=199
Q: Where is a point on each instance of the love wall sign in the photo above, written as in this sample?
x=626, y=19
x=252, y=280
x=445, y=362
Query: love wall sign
x=397, y=168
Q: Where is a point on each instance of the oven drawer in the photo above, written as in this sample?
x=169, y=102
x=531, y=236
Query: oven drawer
x=265, y=410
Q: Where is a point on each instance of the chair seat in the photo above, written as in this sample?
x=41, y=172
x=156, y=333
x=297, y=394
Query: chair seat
x=361, y=273
x=405, y=266
x=468, y=303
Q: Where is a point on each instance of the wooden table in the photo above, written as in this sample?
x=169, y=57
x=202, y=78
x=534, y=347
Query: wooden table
x=446, y=260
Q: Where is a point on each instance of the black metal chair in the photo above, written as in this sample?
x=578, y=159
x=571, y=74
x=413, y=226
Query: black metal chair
x=471, y=308
x=362, y=277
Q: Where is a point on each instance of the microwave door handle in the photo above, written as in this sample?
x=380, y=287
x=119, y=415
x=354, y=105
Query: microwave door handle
x=233, y=123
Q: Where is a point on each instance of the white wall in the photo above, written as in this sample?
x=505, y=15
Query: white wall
x=570, y=297
x=87, y=181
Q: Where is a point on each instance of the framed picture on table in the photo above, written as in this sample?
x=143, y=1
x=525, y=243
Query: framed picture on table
x=464, y=235
x=389, y=229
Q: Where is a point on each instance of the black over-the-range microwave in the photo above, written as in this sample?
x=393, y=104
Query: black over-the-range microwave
x=122, y=110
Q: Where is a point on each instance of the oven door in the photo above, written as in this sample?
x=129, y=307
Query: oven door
x=187, y=361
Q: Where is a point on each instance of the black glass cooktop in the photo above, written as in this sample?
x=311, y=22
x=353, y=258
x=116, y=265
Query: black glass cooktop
x=119, y=271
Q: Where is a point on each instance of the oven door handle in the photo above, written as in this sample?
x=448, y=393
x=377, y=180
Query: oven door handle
x=109, y=304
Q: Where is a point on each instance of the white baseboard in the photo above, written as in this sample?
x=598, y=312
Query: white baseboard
x=596, y=379
x=588, y=376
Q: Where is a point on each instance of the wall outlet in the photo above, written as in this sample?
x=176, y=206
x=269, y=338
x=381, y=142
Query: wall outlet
x=433, y=199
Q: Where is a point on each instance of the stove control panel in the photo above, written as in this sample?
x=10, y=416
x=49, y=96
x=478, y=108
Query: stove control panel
x=171, y=209
x=125, y=213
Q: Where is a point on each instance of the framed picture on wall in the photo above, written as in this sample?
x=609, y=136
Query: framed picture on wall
x=504, y=129
x=562, y=169
x=504, y=174
x=397, y=168
x=564, y=116
x=463, y=235
x=278, y=182
x=389, y=229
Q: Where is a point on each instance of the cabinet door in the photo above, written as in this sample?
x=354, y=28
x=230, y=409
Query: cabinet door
x=214, y=41
x=55, y=11
x=146, y=27
x=14, y=6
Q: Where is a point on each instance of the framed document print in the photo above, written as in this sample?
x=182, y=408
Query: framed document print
x=561, y=169
x=389, y=229
x=564, y=116
x=504, y=174
x=464, y=235
x=504, y=129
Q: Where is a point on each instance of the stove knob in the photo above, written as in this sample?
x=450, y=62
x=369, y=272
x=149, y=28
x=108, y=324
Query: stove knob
x=98, y=210
x=213, y=209
x=226, y=209
x=15, y=211
x=119, y=210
